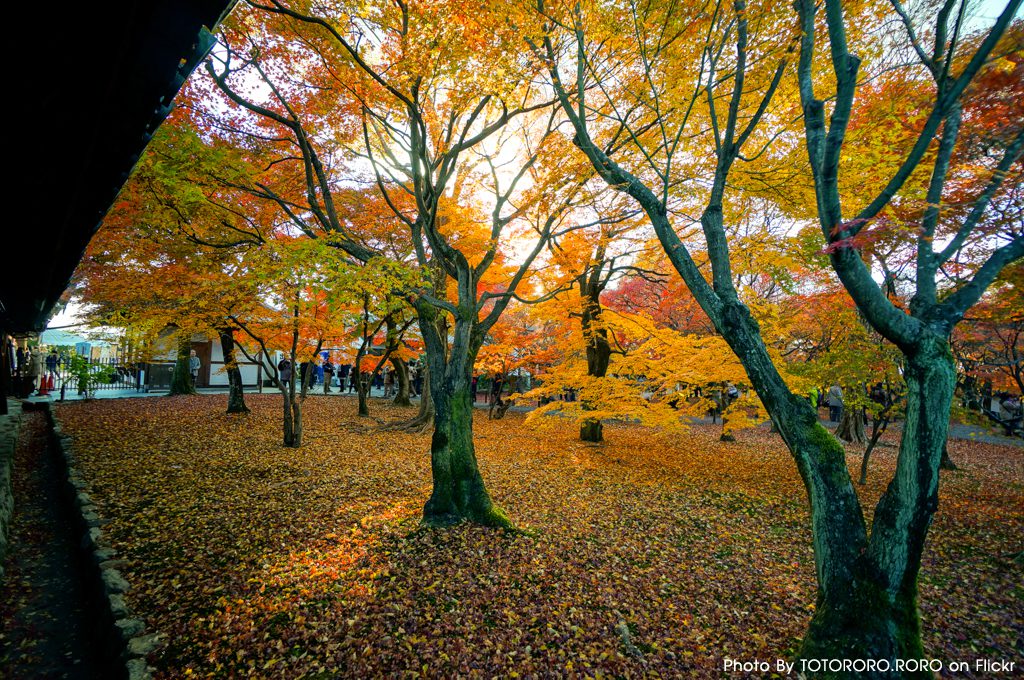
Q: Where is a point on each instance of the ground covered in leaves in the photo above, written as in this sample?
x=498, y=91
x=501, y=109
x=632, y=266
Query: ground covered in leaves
x=643, y=556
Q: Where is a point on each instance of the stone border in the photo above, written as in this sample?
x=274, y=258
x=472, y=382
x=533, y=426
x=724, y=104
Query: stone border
x=8, y=441
x=125, y=642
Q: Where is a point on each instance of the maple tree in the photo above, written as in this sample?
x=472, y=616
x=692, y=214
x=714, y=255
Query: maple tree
x=576, y=50
x=592, y=268
x=987, y=344
x=883, y=571
x=390, y=322
x=394, y=80
x=166, y=257
x=291, y=313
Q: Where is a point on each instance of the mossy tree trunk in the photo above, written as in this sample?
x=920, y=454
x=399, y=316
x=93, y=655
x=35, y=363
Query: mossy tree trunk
x=181, y=377
x=867, y=583
x=867, y=587
x=236, y=394
x=458, y=491
x=875, y=616
x=426, y=398
x=946, y=463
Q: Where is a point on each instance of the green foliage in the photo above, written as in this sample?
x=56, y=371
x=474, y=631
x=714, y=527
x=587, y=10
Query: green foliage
x=89, y=376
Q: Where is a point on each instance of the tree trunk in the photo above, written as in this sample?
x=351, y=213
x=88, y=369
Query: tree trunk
x=459, y=491
x=362, y=392
x=591, y=430
x=858, y=614
x=851, y=426
x=458, y=488
x=402, y=376
x=424, y=418
x=727, y=435
x=362, y=386
x=297, y=423
x=947, y=463
x=878, y=426
x=971, y=394
x=427, y=397
x=292, y=420
x=236, y=395
x=599, y=351
x=181, y=378
x=726, y=401
x=875, y=616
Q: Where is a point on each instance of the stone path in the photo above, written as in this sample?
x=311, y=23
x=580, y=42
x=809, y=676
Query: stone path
x=44, y=628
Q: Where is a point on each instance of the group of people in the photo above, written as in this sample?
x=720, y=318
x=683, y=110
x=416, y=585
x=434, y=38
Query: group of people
x=33, y=363
x=345, y=377
x=492, y=395
x=833, y=398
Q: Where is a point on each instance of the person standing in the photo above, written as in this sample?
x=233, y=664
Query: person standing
x=51, y=363
x=193, y=367
x=284, y=372
x=731, y=394
x=328, y=374
x=412, y=370
x=835, y=403
x=35, y=366
x=23, y=357
x=417, y=381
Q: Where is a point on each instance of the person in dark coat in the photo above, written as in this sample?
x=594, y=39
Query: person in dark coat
x=284, y=372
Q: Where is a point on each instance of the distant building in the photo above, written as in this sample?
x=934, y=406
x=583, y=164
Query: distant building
x=211, y=357
x=97, y=351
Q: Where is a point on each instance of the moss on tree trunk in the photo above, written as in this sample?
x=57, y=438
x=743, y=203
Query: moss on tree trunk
x=459, y=492
x=874, y=615
x=181, y=377
x=864, y=623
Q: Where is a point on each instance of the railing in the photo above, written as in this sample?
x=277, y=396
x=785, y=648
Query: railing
x=75, y=375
